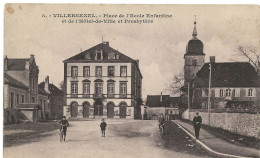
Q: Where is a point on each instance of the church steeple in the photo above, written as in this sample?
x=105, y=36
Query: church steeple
x=194, y=34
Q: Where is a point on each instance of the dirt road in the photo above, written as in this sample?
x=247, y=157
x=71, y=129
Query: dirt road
x=124, y=138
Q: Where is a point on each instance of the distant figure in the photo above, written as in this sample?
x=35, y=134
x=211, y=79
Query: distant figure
x=161, y=120
x=64, y=124
x=197, y=120
x=103, y=126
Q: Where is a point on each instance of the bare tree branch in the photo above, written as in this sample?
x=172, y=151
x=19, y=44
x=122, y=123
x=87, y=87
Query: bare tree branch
x=176, y=83
x=251, y=53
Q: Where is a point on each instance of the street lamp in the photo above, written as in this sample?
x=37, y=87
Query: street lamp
x=209, y=92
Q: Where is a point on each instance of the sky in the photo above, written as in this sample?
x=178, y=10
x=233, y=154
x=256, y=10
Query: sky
x=159, y=46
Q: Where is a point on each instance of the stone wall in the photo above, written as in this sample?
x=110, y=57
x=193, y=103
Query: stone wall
x=240, y=123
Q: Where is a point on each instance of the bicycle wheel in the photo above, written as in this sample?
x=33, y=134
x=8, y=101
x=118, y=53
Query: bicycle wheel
x=61, y=136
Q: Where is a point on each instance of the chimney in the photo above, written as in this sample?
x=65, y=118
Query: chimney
x=212, y=59
x=161, y=97
x=5, y=64
x=46, y=84
x=32, y=58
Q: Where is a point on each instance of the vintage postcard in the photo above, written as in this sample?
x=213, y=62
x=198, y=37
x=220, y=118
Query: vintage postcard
x=146, y=81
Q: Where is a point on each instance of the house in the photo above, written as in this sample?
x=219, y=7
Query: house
x=233, y=85
x=21, y=91
x=56, y=99
x=102, y=82
x=162, y=104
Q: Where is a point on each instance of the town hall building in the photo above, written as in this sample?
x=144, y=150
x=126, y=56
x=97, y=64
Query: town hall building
x=101, y=82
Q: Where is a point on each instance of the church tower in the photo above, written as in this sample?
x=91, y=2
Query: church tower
x=194, y=57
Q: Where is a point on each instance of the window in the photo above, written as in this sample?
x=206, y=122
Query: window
x=17, y=99
x=74, y=71
x=86, y=71
x=22, y=99
x=98, y=89
x=250, y=92
x=40, y=101
x=86, y=89
x=33, y=84
x=123, y=87
x=206, y=93
x=74, y=88
x=194, y=62
x=99, y=55
x=98, y=71
x=110, y=90
x=12, y=100
x=111, y=71
x=234, y=93
x=228, y=92
x=44, y=102
x=33, y=99
x=221, y=93
x=123, y=71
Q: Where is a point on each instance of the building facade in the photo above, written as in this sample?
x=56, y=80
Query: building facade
x=21, y=93
x=233, y=84
x=56, y=100
x=102, y=82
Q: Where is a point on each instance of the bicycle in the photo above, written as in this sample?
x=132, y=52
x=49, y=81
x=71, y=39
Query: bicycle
x=62, y=133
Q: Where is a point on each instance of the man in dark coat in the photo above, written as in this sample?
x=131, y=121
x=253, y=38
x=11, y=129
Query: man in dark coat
x=103, y=126
x=197, y=120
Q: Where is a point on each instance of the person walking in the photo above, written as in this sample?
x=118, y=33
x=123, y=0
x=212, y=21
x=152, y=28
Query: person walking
x=103, y=126
x=197, y=120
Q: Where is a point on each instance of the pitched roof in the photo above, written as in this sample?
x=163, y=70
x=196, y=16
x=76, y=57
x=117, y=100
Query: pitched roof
x=106, y=49
x=42, y=91
x=52, y=88
x=16, y=64
x=10, y=80
x=230, y=74
x=155, y=101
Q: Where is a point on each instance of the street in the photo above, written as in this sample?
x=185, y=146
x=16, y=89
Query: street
x=124, y=138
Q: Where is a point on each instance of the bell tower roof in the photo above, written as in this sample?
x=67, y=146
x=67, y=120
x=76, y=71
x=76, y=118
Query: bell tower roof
x=195, y=46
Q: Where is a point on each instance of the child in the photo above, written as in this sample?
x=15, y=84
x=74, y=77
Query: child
x=103, y=126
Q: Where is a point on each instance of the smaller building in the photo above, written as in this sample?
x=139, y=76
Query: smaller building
x=161, y=104
x=21, y=93
x=234, y=85
x=55, y=98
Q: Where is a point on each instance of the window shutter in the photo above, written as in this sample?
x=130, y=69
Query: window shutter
x=246, y=92
x=237, y=92
x=203, y=92
x=254, y=92
x=217, y=92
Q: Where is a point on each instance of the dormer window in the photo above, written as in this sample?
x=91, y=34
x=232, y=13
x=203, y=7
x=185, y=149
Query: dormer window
x=99, y=55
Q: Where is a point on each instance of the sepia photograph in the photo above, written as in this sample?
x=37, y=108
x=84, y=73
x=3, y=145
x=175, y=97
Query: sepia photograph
x=131, y=81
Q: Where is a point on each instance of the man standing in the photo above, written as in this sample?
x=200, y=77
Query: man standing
x=197, y=120
x=103, y=126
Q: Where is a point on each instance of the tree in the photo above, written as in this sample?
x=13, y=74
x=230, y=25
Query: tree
x=252, y=54
x=176, y=83
x=62, y=86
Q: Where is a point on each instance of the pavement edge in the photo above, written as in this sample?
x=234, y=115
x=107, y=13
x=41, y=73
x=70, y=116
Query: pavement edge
x=208, y=149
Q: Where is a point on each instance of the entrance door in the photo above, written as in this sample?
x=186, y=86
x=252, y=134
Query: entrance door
x=86, y=110
x=110, y=111
x=74, y=109
x=98, y=110
x=122, y=111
